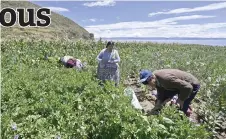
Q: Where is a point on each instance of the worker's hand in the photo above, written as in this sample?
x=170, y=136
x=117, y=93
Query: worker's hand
x=155, y=110
x=167, y=100
x=158, y=105
x=111, y=61
x=181, y=103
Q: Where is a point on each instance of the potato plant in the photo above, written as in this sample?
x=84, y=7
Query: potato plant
x=42, y=99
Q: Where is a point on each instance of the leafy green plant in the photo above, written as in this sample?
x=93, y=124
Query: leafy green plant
x=42, y=99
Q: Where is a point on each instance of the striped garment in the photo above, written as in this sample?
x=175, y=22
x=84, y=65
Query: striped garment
x=108, y=72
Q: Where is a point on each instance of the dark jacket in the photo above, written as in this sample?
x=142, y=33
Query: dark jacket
x=174, y=79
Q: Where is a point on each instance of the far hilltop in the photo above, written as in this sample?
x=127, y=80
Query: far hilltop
x=60, y=28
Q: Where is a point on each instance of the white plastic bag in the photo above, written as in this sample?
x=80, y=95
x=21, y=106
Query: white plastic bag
x=134, y=101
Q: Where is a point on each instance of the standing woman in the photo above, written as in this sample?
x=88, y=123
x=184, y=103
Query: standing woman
x=108, y=67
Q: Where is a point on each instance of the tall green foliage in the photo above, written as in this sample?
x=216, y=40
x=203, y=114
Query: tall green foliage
x=42, y=99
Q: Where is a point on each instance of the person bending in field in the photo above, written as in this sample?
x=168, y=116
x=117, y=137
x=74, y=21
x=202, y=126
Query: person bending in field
x=171, y=82
x=68, y=61
x=71, y=62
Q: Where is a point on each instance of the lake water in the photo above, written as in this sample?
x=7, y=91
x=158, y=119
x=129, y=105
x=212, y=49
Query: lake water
x=212, y=42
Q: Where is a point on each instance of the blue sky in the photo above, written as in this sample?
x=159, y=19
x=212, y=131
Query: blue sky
x=108, y=18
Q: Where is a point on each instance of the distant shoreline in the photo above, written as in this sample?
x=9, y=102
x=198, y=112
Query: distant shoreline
x=162, y=38
x=193, y=41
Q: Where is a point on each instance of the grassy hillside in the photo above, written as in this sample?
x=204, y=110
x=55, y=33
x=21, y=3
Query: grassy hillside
x=61, y=27
x=42, y=99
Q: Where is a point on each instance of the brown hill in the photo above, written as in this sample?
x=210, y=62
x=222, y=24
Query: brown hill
x=60, y=28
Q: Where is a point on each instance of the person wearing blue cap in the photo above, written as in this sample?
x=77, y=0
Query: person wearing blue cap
x=170, y=82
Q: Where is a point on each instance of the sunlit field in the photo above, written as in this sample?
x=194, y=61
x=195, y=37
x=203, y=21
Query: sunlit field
x=42, y=99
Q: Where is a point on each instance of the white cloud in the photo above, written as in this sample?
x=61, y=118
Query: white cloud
x=58, y=9
x=100, y=3
x=92, y=20
x=215, y=6
x=172, y=20
x=153, y=24
x=161, y=28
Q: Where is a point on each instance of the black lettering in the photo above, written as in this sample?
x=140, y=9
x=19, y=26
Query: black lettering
x=12, y=17
x=30, y=17
x=46, y=18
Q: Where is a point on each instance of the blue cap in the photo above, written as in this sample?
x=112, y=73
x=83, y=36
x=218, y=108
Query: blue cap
x=144, y=75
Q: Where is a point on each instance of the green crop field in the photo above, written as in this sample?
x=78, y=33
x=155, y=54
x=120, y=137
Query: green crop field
x=40, y=99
